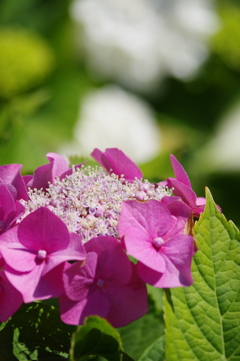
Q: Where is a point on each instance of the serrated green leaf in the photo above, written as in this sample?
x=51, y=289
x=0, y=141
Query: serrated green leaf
x=155, y=352
x=203, y=322
x=97, y=338
x=35, y=332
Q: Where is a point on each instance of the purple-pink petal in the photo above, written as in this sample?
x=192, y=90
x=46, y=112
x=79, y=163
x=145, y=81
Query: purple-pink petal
x=33, y=286
x=78, y=277
x=131, y=303
x=10, y=298
x=47, y=172
x=179, y=171
x=105, y=283
x=25, y=282
x=178, y=253
x=10, y=174
x=113, y=264
x=73, y=252
x=185, y=193
x=74, y=313
x=43, y=230
x=113, y=159
x=181, y=213
x=19, y=258
x=151, y=217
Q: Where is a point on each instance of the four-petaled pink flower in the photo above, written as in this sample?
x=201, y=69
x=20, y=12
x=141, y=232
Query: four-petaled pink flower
x=106, y=284
x=35, y=252
x=153, y=234
x=117, y=162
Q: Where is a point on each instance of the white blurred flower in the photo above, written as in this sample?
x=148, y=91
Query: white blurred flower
x=137, y=42
x=112, y=117
x=223, y=152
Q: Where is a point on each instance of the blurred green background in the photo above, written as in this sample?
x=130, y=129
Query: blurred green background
x=49, y=64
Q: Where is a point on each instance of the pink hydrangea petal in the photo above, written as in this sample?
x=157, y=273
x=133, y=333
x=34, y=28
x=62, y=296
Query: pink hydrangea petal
x=10, y=239
x=10, y=174
x=181, y=190
x=14, y=254
x=179, y=171
x=10, y=210
x=7, y=203
x=20, y=259
x=143, y=250
x=78, y=277
x=26, y=282
x=113, y=263
x=73, y=252
x=73, y=313
x=201, y=201
x=119, y=162
x=10, y=298
x=122, y=164
x=27, y=179
x=47, y=172
x=50, y=285
x=148, y=275
x=181, y=212
x=150, y=217
x=101, y=158
x=43, y=230
x=169, y=199
x=131, y=302
x=177, y=253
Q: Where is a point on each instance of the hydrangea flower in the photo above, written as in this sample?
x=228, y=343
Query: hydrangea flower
x=93, y=217
x=34, y=253
x=107, y=284
x=154, y=234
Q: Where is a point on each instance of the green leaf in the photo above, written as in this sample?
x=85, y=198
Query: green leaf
x=203, y=321
x=35, y=332
x=97, y=338
x=138, y=336
x=155, y=352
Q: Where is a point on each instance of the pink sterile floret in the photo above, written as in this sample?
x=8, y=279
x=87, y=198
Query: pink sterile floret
x=117, y=162
x=107, y=284
x=35, y=252
x=153, y=234
x=182, y=187
x=10, y=210
x=11, y=177
x=46, y=173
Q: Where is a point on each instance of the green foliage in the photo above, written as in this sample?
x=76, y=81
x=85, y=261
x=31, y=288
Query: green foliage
x=155, y=352
x=144, y=338
x=203, y=321
x=97, y=338
x=35, y=332
x=226, y=42
x=25, y=61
